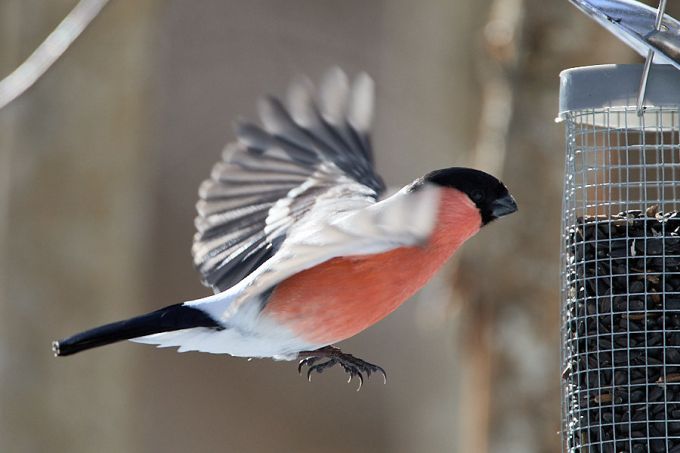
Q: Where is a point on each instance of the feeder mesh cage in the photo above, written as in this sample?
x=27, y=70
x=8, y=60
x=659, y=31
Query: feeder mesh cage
x=621, y=280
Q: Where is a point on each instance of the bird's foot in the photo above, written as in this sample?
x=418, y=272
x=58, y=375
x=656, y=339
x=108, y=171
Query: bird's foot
x=330, y=356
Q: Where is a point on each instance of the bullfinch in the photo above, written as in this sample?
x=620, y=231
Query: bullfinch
x=296, y=242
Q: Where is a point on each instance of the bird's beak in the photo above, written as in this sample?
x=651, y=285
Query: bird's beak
x=503, y=206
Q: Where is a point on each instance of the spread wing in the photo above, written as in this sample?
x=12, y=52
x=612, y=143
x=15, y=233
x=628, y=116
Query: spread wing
x=316, y=151
x=347, y=228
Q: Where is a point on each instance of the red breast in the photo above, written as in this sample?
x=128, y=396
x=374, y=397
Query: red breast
x=343, y=296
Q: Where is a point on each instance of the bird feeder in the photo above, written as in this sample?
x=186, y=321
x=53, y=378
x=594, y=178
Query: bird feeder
x=621, y=240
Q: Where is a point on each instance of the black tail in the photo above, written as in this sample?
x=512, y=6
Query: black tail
x=174, y=317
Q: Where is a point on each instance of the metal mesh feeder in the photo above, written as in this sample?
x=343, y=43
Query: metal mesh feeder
x=621, y=261
x=621, y=240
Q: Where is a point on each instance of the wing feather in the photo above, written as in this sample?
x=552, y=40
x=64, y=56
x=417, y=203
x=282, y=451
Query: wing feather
x=316, y=150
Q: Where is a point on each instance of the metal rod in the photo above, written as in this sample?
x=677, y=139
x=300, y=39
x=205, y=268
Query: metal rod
x=659, y=14
x=648, y=61
x=643, y=83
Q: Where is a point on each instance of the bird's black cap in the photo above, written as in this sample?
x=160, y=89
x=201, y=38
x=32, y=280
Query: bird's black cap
x=489, y=194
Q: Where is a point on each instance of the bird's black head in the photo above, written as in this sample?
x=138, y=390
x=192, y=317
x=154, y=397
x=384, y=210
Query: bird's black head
x=489, y=194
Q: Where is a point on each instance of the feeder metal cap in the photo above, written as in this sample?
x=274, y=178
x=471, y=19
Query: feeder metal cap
x=633, y=23
x=614, y=87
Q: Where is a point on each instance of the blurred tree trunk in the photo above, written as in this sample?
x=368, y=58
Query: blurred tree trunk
x=70, y=229
x=511, y=385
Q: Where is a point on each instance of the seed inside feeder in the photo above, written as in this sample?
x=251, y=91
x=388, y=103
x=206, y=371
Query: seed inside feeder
x=622, y=332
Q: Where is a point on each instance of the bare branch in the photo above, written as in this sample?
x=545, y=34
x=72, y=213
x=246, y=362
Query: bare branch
x=47, y=53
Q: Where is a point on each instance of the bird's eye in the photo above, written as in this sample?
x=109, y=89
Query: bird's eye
x=477, y=196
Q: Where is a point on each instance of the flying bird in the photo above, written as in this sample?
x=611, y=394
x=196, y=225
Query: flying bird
x=299, y=248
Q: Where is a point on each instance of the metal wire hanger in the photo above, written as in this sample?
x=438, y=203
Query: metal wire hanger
x=648, y=61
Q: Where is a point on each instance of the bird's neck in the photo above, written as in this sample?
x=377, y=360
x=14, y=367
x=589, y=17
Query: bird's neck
x=458, y=219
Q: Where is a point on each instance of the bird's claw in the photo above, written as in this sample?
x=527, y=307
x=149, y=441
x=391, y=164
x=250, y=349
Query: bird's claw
x=320, y=367
x=353, y=366
x=309, y=361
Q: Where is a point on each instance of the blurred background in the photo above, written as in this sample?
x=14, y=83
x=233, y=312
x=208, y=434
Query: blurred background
x=99, y=167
